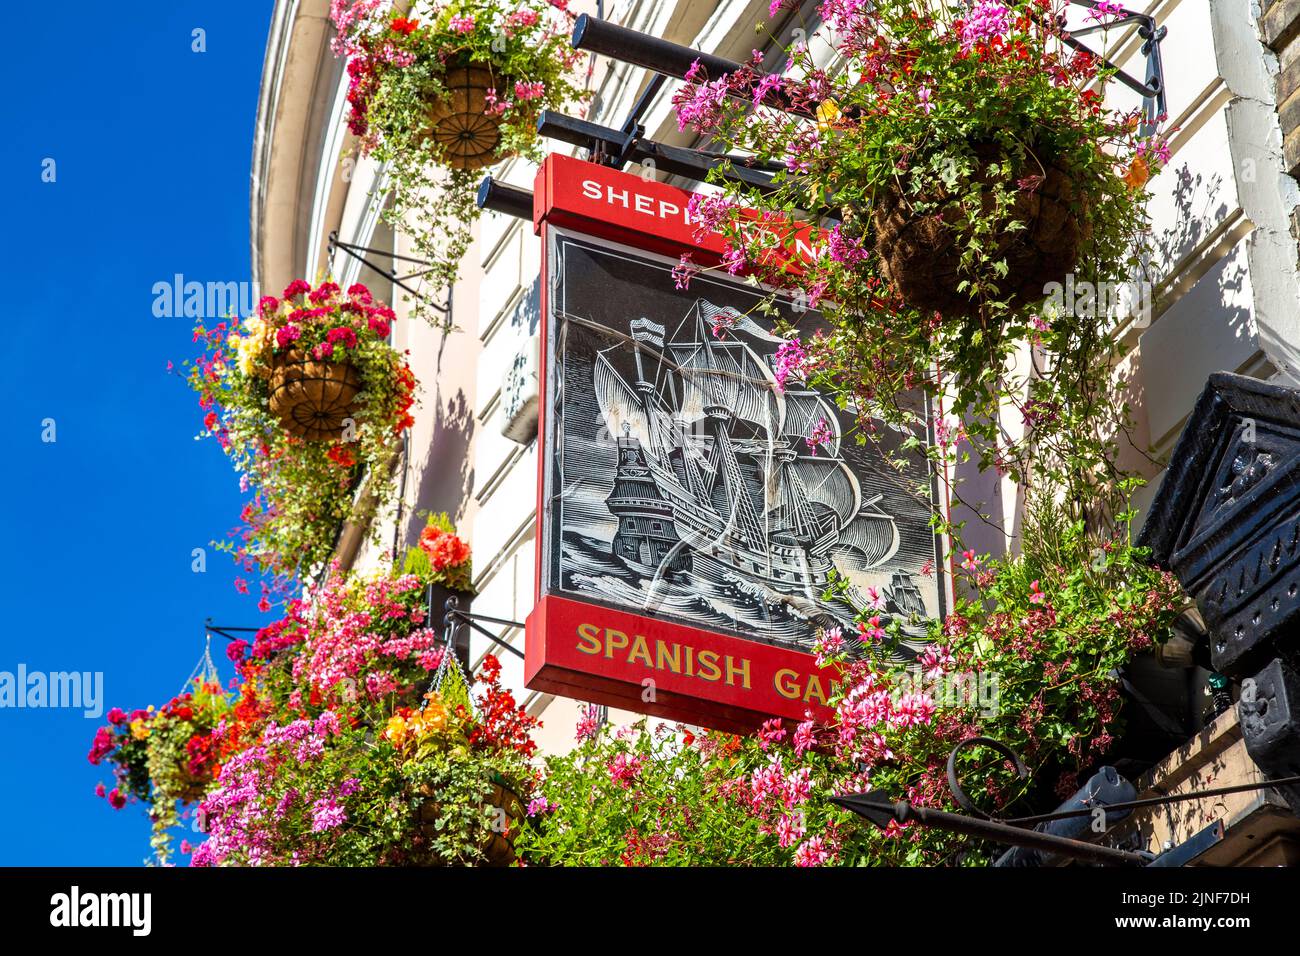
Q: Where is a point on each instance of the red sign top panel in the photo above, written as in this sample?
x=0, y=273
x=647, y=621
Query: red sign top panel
x=612, y=204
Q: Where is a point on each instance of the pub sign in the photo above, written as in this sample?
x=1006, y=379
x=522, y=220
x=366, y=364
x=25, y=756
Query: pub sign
x=688, y=528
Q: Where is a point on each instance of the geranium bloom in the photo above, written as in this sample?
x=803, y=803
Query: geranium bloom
x=444, y=549
x=789, y=360
x=989, y=19
x=821, y=435
x=404, y=26
x=1036, y=596
x=684, y=271
x=461, y=24
x=530, y=91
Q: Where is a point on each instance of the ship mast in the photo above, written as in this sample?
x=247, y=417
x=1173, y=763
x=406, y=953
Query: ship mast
x=742, y=507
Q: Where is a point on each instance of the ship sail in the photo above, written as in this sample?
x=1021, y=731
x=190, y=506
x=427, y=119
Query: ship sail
x=736, y=320
x=872, y=534
x=619, y=404
x=736, y=380
x=803, y=410
x=827, y=482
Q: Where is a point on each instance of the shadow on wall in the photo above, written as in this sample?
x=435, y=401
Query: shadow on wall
x=446, y=472
x=1198, y=209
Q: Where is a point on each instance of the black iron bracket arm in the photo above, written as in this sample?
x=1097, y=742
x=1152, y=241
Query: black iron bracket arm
x=359, y=253
x=454, y=617
x=1152, y=89
x=229, y=633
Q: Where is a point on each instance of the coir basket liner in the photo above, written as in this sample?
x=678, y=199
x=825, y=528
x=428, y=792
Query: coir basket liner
x=920, y=249
x=312, y=399
x=499, y=845
x=459, y=122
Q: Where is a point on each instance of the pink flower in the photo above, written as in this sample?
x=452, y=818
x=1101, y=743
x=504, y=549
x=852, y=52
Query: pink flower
x=296, y=287
x=989, y=18
x=923, y=99
x=771, y=732
x=812, y=852
x=790, y=829
x=871, y=629
x=684, y=271
x=821, y=435
x=842, y=249
x=1103, y=9
x=624, y=769
x=461, y=24
x=287, y=333
x=529, y=91
x=1036, y=596
x=970, y=561
x=789, y=360
x=587, y=724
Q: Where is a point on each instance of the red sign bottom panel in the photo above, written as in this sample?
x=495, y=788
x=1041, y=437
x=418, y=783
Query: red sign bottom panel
x=668, y=670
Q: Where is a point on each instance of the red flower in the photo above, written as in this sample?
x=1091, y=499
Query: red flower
x=404, y=26
x=116, y=799
x=444, y=549
x=341, y=456
x=210, y=421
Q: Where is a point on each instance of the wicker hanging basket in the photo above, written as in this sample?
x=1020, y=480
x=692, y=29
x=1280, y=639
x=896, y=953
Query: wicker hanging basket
x=498, y=846
x=458, y=121
x=920, y=252
x=313, y=400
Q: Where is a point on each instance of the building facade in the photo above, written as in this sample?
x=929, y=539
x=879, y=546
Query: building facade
x=1224, y=289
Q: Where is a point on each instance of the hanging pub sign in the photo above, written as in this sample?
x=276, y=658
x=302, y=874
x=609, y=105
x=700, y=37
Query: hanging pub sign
x=693, y=514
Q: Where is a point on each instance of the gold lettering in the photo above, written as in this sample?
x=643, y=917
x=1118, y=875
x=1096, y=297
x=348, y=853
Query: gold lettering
x=640, y=652
x=742, y=670
x=589, y=632
x=814, y=683
x=662, y=659
x=785, y=685
x=709, y=659
x=690, y=661
x=611, y=644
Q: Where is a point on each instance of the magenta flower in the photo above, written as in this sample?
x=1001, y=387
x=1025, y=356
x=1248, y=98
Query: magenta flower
x=461, y=24
x=684, y=271
x=529, y=91
x=989, y=19
x=1104, y=9
x=923, y=98
x=789, y=360
x=821, y=435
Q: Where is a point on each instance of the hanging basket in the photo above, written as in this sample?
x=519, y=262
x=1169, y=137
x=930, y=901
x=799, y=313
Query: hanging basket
x=920, y=252
x=498, y=846
x=458, y=121
x=312, y=399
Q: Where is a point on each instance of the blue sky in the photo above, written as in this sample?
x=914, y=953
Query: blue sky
x=152, y=145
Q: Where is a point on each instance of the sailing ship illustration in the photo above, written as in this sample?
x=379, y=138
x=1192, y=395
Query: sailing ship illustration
x=714, y=476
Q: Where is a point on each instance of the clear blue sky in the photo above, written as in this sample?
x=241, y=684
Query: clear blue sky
x=152, y=144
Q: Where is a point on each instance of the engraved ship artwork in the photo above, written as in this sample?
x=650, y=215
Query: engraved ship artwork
x=715, y=486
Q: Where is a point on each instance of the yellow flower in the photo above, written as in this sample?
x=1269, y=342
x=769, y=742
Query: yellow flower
x=252, y=346
x=139, y=729
x=828, y=114
x=395, y=731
